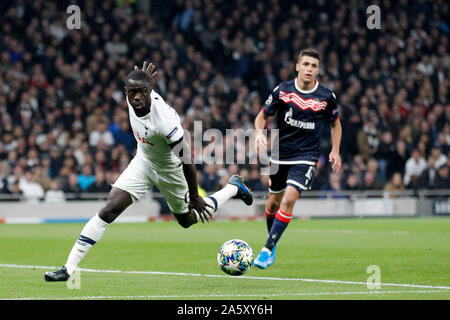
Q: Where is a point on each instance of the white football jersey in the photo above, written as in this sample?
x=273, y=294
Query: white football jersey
x=155, y=131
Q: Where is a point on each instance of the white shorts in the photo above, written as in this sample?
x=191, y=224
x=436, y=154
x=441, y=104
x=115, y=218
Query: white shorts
x=139, y=177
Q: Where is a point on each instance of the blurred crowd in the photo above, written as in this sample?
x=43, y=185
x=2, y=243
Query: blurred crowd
x=64, y=124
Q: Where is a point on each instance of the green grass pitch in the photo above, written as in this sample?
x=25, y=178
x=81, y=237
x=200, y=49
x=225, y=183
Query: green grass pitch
x=413, y=256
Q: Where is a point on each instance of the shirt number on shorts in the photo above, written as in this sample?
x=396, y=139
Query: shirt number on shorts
x=310, y=173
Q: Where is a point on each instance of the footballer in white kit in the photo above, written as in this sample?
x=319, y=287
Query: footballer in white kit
x=155, y=163
x=163, y=159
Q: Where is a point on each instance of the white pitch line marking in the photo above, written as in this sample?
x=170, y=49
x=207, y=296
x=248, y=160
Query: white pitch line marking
x=230, y=277
x=352, y=231
x=230, y=295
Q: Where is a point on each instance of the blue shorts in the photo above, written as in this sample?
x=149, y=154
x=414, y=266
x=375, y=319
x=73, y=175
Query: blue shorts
x=299, y=176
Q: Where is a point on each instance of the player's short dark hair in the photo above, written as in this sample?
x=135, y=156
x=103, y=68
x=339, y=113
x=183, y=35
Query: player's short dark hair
x=310, y=52
x=138, y=75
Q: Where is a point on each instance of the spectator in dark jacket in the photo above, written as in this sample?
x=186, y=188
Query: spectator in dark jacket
x=428, y=176
x=442, y=180
x=100, y=185
x=125, y=136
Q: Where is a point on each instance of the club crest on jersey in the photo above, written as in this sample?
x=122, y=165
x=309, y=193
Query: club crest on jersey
x=316, y=104
x=297, y=123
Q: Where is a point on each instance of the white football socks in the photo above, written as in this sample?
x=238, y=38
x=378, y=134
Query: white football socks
x=220, y=198
x=91, y=233
x=224, y=194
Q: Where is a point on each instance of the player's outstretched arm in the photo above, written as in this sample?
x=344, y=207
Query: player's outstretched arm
x=336, y=134
x=196, y=202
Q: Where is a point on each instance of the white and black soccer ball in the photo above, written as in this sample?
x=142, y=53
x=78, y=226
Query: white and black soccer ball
x=235, y=257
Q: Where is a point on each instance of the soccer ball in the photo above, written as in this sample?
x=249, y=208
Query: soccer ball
x=235, y=257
